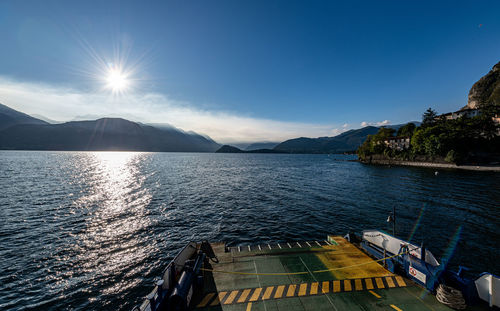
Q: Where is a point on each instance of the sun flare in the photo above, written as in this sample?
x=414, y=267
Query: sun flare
x=117, y=80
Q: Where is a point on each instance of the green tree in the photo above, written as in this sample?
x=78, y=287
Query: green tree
x=432, y=145
x=374, y=143
x=486, y=125
x=453, y=157
x=418, y=140
x=429, y=117
x=454, y=140
x=407, y=130
x=383, y=133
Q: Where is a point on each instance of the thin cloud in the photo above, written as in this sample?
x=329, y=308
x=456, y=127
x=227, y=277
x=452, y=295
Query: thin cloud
x=381, y=123
x=65, y=104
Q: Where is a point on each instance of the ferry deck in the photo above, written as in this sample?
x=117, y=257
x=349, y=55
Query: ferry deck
x=314, y=275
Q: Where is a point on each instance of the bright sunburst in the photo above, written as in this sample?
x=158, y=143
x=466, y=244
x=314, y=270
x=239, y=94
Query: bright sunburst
x=117, y=80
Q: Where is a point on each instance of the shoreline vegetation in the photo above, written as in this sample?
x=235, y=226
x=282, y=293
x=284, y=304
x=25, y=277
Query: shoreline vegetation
x=465, y=139
x=462, y=141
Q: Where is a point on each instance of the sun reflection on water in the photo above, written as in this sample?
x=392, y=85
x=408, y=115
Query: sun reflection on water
x=117, y=201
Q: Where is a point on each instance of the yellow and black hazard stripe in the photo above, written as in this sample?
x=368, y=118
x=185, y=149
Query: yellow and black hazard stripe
x=298, y=290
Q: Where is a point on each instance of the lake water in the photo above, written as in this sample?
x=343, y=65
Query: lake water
x=91, y=230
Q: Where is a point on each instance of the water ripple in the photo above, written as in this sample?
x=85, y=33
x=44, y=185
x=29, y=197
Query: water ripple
x=91, y=230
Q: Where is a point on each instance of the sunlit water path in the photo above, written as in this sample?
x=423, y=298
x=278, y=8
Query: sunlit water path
x=84, y=230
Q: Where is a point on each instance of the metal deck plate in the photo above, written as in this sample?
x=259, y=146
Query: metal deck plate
x=355, y=282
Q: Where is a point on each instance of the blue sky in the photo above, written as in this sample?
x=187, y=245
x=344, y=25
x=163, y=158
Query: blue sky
x=246, y=70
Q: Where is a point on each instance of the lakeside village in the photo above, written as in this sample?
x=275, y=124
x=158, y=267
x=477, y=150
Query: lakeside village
x=467, y=136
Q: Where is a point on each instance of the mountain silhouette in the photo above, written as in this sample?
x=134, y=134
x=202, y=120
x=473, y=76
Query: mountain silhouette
x=10, y=117
x=19, y=131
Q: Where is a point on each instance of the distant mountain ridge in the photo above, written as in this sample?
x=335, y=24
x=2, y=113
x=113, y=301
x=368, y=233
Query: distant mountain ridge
x=19, y=131
x=348, y=141
x=261, y=145
x=233, y=149
x=10, y=117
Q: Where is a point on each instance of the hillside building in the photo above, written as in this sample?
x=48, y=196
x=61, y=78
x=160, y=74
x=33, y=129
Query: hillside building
x=398, y=143
x=468, y=113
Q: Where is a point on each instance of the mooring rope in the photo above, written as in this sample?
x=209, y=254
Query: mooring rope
x=451, y=297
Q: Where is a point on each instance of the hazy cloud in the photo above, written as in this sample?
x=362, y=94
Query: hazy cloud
x=381, y=123
x=65, y=104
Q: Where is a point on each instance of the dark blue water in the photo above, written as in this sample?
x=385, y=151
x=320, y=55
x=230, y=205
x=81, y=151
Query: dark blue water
x=90, y=231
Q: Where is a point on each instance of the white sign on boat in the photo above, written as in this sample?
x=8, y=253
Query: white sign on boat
x=417, y=274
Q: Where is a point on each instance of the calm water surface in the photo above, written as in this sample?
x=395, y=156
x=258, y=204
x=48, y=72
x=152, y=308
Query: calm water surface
x=90, y=230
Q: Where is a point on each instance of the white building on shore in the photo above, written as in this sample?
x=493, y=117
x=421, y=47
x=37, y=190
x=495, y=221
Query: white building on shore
x=398, y=143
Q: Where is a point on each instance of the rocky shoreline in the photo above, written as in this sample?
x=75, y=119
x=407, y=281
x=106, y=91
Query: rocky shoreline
x=492, y=168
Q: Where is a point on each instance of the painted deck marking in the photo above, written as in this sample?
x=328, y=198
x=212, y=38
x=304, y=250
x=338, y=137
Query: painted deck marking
x=302, y=289
x=244, y=295
x=218, y=299
x=269, y=246
x=396, y=308
x=390, y=282
x=279, y=291
x=314, y=288
x=289, y=246
x=347, y=285
x=379, y=282
x=327, y=243
x=369, y=283
x=260, y=248
x=279, y=245
x=358, y=285
x=325, y=287
x=267, y=293
x=231, y=297
x=256, y=294
x=400, y=281
x=317, y=243
x=249, y=306
x=308, y=244
x=205, y=300
x=336, y=286
x=299, y=245
x=375, y=294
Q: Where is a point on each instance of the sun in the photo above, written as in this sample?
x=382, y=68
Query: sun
x=117, y=80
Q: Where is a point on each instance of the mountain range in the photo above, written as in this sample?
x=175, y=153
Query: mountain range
x=233, y=149
x=10, y=117
x=347, y=141
x=19, y=131
x=261, y=145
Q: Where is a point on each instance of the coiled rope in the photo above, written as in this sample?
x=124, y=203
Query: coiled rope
x=451, y=297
